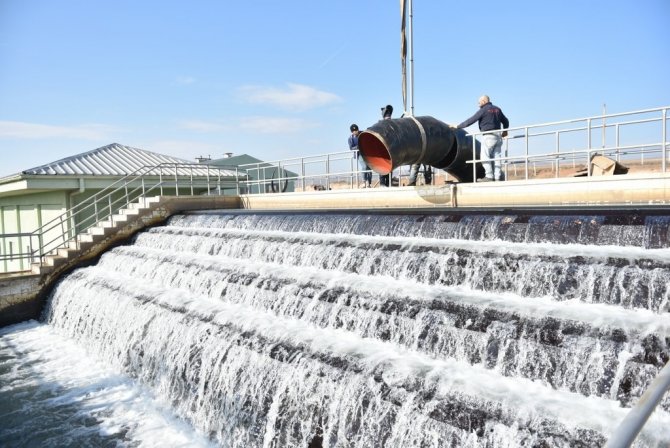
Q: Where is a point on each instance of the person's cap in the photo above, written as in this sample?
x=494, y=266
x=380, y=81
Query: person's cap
x=353, y=127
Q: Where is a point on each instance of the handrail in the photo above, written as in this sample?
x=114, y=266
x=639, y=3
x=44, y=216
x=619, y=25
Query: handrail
x=632, y=423
x=133, y=187
x=587, y=149
x=263, y=176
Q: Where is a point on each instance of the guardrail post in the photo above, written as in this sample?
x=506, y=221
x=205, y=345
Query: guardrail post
x=617, y=142
x=558, y=150
x=526, y=151
x=30, y=250
x=328, y=173
x=111, y=219
x=664, y=132
x=588, y=151
x=302, y=173
x=176, y=181
x=474, y=159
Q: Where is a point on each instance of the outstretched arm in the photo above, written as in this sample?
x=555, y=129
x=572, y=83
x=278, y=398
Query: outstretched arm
x=471, y=120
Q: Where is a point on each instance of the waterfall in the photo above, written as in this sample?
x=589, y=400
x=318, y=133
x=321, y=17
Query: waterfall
x=354, y=330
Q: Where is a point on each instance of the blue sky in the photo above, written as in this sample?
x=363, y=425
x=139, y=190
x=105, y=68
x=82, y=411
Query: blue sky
x=286, y=79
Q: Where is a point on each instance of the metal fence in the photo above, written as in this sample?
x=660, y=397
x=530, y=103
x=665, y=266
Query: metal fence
x=556, y=149
x=560, y=148
x=164, y=179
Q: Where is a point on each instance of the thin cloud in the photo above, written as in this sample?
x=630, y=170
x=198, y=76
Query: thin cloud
x=185, y=80
x=333, y=56
x=296, y=97
x=23, y=130
x=275, y=125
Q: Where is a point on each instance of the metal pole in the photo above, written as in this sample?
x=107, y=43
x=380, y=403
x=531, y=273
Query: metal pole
x=526, y=150
x=191, y=171
x=411, y=57
x=664, y=127
x=633, y=422
x=604, y=125
x=558, y=149
x=474, y=160
x=588, y=142
x=110, y=209
x=506, y=158
x=302, y=172
x=328, y=172
x=176, y=181
x=617, y=142
x=160, y=178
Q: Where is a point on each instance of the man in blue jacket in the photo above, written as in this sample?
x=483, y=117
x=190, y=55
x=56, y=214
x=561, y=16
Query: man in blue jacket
x=364, y=168
x=490, y=119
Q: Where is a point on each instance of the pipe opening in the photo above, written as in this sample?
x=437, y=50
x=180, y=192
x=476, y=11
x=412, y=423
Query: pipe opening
x=375, y=153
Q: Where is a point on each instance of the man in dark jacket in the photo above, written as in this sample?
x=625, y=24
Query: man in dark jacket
x=364, y=168
x=490, y=119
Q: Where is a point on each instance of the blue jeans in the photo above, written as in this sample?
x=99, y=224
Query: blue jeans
x=367, y=174
x=490, y=155
x=414, y=171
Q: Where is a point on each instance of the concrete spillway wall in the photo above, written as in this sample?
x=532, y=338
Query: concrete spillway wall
x=22, y=295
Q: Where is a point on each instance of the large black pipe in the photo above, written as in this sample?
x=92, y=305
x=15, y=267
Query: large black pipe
x=389, y=144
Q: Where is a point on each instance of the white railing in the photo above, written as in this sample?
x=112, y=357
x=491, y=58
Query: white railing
x=568, y=145
x=556, y=149
x=163, y=179
x=559, y=148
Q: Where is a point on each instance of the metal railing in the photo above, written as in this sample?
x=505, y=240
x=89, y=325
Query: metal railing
x=317, y=172
x=559, y=148
x=163, y=179
x=556, y=149
x=637, y=417
x=569, y=145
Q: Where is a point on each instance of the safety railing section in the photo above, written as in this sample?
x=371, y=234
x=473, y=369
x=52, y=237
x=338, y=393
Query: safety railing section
x=564, y=148
x=17, y=251
x=172, y=179
x=317, y=172
x=557, y=149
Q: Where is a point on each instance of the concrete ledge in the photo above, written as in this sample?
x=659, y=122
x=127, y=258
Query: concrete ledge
x=17, y=298
x=599, y=191
x=394, y=197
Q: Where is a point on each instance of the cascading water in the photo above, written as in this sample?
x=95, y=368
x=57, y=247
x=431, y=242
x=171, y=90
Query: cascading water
x=302, y=330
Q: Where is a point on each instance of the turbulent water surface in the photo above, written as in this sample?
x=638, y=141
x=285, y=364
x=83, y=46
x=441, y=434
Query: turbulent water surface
x=252, y=330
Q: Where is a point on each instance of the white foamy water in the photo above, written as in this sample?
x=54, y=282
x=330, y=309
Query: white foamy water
x=54, y=393
x=597, y=314
x=312, y=336
x=407, y=242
